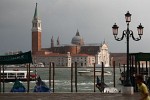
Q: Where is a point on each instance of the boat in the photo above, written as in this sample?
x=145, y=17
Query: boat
x=12, y=75
x=18, y=87
x=41, y=86
x=89, y=72
x=104, y=88
x=37, y=65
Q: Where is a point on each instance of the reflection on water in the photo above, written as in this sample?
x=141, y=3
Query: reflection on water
x=63, y=80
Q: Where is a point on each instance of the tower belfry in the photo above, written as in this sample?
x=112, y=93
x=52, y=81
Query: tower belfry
x=36, y=32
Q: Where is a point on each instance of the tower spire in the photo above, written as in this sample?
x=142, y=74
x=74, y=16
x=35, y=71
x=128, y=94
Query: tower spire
x=58, y=42
x=104, y=41
x=36, y=22
x=35, y=13
x=77, y=33
x=52, y=42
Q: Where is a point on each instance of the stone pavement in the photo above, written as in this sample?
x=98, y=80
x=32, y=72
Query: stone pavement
x=68, y=96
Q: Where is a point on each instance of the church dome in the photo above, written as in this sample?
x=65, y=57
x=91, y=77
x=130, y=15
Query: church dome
x=78, y=40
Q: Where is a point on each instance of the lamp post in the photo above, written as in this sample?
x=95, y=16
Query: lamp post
x=127, y=34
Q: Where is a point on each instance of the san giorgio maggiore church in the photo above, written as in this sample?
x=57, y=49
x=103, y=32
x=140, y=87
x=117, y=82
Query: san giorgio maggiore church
x=64, y=55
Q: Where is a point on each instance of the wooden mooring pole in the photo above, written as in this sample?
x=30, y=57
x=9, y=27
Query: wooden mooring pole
x=102, y=75
x=0, y=79
x=76, y=76
x=50, y=65
x=3, y=80
x=114, y=74
x=72, y=77
x=53, y=76
x=94, y=77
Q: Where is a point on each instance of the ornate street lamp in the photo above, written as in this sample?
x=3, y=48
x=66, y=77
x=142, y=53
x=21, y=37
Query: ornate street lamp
x=127, y=34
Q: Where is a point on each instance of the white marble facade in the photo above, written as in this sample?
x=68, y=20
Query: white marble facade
x=103, y=56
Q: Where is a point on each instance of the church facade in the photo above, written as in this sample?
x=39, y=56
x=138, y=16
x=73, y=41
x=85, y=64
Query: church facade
x=65, y=55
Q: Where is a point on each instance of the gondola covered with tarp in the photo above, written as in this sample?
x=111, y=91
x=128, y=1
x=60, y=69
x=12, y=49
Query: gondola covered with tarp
x=105, y=88
x=18, y=87
x=41, y=86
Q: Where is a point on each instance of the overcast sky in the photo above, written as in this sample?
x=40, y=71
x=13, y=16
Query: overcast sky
x=93, y=18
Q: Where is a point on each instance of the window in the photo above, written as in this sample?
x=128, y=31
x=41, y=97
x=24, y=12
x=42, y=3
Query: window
x=5, y=75
x=10, y=75
x=35, y=24
x=20, y=75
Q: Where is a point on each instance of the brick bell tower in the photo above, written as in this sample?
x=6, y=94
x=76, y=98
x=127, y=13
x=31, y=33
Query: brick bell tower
x=36, y=33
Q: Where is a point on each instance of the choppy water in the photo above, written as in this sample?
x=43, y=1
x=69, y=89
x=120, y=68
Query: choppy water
x=63, y=80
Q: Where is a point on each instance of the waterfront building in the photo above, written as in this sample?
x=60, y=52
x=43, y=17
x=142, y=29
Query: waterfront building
x=65, y=60
x=65, y=55
x=83, y=60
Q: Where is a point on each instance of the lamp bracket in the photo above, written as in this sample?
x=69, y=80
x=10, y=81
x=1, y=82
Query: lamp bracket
x=135, y=39
x=121, y=38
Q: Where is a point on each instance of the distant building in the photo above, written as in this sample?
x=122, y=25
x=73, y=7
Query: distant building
x=65, y=60
x=65, y=55
x=119, y=58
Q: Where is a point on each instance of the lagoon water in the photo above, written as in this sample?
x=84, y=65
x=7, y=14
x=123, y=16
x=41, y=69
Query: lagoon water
x=63, y=80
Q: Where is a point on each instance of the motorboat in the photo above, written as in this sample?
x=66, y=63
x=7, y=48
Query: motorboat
x=89, y=72
x=37, y=65
x=12, y=75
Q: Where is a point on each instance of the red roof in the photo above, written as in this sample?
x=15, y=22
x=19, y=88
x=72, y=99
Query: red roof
x=81, y=55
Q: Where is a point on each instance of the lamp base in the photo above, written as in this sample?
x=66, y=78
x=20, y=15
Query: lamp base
x=127, y=90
